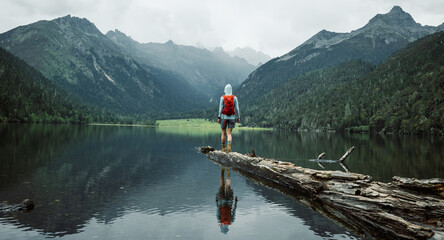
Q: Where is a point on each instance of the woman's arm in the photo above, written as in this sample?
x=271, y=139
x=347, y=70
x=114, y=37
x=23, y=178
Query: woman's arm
x=236, y=106
x=221, y=106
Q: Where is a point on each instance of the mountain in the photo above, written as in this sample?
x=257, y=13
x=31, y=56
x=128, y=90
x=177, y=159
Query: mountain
x=404, y=94
x=208, y=72
x=77, y=57
x=381, y=36
x=27, y=96
x=252, y=56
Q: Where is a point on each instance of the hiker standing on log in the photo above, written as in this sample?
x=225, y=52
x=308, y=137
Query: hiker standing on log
x=228, y=116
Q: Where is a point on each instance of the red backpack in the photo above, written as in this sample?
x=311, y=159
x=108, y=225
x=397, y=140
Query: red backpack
x=228, y=105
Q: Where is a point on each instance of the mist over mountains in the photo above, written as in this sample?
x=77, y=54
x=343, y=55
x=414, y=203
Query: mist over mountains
x=252, y=56
x=206, y=71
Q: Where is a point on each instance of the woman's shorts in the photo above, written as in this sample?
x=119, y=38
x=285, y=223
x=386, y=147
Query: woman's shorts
x=224, y=123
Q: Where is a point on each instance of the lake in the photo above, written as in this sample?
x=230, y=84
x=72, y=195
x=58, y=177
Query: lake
x=115, y=182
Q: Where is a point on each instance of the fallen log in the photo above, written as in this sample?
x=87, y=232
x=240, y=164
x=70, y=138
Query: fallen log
x=406, y=208
x=25, y=206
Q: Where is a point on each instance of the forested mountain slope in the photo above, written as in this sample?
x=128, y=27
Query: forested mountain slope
x=27, y=96
x=404, y=94
x=77, y=57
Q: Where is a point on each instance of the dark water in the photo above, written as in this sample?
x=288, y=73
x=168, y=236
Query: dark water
x=107, y=182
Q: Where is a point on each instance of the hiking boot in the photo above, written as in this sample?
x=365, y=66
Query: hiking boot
x=228, y=148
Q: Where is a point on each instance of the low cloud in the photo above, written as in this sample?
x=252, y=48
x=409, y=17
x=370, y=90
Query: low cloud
x=274, y=27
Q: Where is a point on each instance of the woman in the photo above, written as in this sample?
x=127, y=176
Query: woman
x=228, y=116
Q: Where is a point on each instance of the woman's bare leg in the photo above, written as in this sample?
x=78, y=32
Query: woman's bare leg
x=224, y=133
x=229, y=135
x=229, y=139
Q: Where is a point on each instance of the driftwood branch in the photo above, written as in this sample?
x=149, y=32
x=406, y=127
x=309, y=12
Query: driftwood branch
x=319, y=160
x=346, y=154
x=321, y=155
x=406, y=208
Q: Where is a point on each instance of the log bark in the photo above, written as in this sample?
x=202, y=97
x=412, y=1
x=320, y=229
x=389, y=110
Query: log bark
x=405, y=208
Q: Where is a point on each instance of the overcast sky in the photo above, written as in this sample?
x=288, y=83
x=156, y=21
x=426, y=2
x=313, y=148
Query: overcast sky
x=272, y=26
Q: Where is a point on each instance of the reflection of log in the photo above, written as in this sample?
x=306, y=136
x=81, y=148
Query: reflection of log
x=344, y=166
x=25, y=206
x=405, y=208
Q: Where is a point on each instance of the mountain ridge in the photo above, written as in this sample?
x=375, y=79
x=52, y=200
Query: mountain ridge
x=403, y=94
x=208, y=71
x=252, y=56
x=372, y=43
x=76, y=56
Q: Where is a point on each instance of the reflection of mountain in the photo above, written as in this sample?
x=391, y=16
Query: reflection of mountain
x=39, y=142
x=104, y=173
x=78, y=173
x=321, y=225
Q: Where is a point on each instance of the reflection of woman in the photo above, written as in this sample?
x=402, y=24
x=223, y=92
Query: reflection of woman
x=224, y=201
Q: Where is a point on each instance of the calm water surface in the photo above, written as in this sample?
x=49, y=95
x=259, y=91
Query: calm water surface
x=107, y=182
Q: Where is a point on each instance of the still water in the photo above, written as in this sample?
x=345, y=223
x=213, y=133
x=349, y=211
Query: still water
x=108, y=182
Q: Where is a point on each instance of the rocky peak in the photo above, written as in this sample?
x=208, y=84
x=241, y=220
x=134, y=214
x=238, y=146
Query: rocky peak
x=325, y=35
x=119, y=37
x=397, y=10
x=170, y=43
x=69, y=22
x=68, y=19
x=116, y=32
x=323, y=38
x=396, y=17
x=218, y=50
